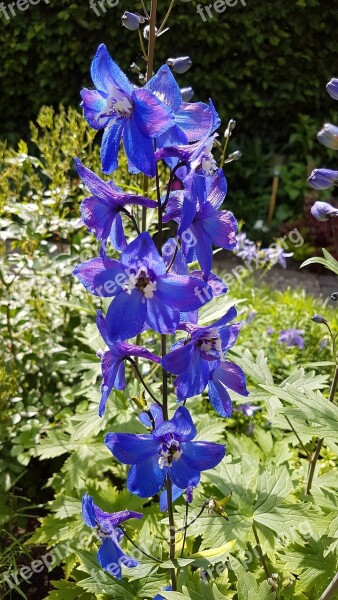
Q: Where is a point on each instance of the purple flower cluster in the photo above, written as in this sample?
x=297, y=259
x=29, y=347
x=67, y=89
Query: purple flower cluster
x=261, y=257
x=153, y=287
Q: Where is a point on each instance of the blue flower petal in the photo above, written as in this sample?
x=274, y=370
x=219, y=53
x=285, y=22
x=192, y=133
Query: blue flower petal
x=106, y=74
x=139, y=149
x=117, y=237
x=130, y=448
x=195, y=119
x=164, y=84
x=218, y=189
x=183, y=292
x=126, y=316
x=110, y=146
x=109, y=521
x=88, y=513
x=178, y=360
x=98, y=276
x=161, y=317
x=194, y=380
x=143, y=251
x=202, y=455
x=98, y=216
x=231, y=376
x=183, y=423
x=152, y=116
x=93, y=104
x=220, y=398
x=111, y=557
x=110, y=367
x=146, y=478
x=221, y=226
x=183, y=475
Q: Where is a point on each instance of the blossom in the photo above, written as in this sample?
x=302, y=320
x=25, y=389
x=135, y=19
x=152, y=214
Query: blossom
x=200, y=361
x=292, y=337
x=123, y=111
x=101, y=212
x=208, y=226
x=159, y=596
x=112, y=362
x=321, y=179
x=322, y=211
x=145, y=294
x=110, y=554
x=167, y=452
x=192, y=120
x=275, y=254
x=248, y=409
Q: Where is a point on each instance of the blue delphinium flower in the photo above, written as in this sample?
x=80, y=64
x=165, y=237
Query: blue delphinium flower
x=110, y=554
x=113, y=362
x=209, y=225
x=248, y=409
x=123, y=110
x=200, y=361
x=146, y=295
x=101, y=212
x=192, y=120
x=322, y=211
x=292, y=337
x=167, y=452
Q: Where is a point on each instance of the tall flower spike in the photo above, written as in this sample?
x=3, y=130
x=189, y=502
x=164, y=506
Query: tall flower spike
x=168, y=452
x=110, y=554
x=123, y=111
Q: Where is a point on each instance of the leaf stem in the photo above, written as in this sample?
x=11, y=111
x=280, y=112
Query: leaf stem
x=259, y=550
x=185, y=526
x=138, y=547
x=166, y=17
x=314, y=459
x=298, y=438
x=134, y=364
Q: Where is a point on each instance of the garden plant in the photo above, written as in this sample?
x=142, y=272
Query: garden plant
x=206, y=464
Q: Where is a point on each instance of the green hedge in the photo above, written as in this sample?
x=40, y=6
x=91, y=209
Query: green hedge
x=264, y=64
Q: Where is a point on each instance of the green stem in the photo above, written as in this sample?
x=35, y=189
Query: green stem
x=166, y=17
x=133, y=362
x=185, y=526
x=172, y=541
x=259, y=550
x=138, y=547
x=314, y=460
x=298, y=438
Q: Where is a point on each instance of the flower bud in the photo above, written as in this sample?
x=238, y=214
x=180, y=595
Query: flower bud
x=146, y=32
x=189, y=494
x=135, y=68
x=231, y=126
x=132, y=21
x=332, y=88
x=334, y=296
x=237, y=155
x=322, y=211
x=319, y=319
x=180, y=65
x=187, y=94
x=328, y=136
x=320, y=179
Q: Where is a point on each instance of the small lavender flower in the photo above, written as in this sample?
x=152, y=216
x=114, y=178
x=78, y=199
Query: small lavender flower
x=132, y=21
x=322, y=211
x=292, y=337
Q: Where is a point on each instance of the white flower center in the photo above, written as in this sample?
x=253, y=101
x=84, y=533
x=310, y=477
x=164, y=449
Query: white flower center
x=142, y=282
x=208, y=164
x=211, y=343
x=123, y=107
x=170, y=453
